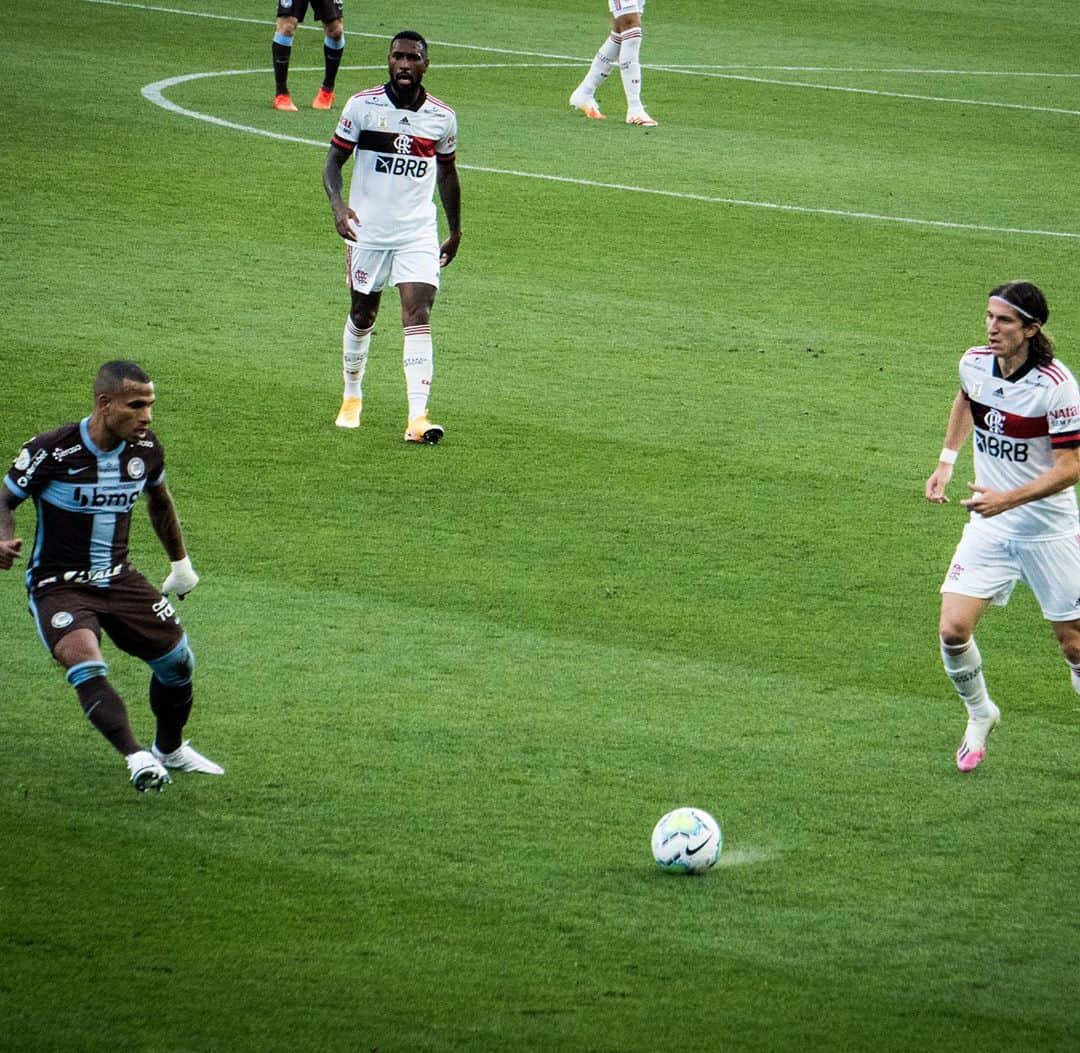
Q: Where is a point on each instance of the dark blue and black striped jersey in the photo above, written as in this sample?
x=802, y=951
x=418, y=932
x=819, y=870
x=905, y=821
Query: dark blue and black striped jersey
x=84, y=497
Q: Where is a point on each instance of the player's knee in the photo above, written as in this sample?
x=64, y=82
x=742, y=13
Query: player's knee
x=362, y=317
x=1070, y=648
x=175, y=669
x=286, y=26
x=335, y=30
x=953, y=633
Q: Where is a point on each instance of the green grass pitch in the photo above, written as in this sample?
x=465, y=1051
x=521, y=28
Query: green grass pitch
x=673, y=549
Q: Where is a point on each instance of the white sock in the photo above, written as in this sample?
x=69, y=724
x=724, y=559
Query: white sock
x=963, y=663
x=419, y=367
x=630, y=68
x=355, y=343
x=601, y=66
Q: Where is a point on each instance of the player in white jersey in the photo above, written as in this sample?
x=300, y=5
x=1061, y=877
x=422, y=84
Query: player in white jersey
x=403, y=143
x=623, y=46
x=1023, y=407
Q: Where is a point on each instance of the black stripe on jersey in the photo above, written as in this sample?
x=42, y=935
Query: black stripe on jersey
x=399, y=143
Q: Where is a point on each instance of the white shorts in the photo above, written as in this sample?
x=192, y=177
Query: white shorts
x=988, y=567
x=369, y=270
x=626, y=7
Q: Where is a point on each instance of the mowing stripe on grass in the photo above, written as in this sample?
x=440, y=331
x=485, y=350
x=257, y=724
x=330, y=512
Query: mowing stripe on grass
x=155, y=93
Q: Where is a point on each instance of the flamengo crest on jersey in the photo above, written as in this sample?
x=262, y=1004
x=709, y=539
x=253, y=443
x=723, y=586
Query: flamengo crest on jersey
x=395, y=155
x=83, y=497
x=1019, y=422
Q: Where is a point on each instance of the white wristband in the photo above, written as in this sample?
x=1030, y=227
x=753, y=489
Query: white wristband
x=948, y=456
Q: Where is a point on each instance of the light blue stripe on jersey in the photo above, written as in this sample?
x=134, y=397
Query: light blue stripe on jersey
x=34, y=611
x=103, y=531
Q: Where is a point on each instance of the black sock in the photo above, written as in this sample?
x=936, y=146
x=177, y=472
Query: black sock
x=281, y=54
x=333, y=61
x=172, y=707
x=104, y=708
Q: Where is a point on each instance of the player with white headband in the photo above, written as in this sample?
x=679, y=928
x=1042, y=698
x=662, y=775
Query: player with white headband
x=1023, y=407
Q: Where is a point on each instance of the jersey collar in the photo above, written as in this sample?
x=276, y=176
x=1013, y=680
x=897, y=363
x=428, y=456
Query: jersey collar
x=84, y=431
x=1022, y=372
x=388, y=87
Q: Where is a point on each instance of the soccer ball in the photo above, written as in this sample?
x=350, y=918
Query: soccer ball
x=686, y=841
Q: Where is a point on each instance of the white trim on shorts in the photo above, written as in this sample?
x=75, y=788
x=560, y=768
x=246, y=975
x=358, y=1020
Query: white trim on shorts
x=987, y=567
x=370, y=270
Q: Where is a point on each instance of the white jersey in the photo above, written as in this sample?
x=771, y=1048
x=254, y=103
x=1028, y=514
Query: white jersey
x=1019, y=423
x=394, y=162
x=626, y=7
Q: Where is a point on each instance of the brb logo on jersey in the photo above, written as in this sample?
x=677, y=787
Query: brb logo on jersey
x=406, y=166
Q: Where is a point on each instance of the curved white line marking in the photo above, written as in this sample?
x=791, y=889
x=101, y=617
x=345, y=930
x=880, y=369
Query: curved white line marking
x=155, y=93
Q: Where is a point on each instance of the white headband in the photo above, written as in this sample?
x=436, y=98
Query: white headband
x=1018, y=310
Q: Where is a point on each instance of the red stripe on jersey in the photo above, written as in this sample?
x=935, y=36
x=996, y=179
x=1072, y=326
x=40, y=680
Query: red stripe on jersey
x=452, y=156
x=398, y=143
x=1053, y=372
x=997, y=422
x=439, y=102
x=342, y=144
x=1065, y=440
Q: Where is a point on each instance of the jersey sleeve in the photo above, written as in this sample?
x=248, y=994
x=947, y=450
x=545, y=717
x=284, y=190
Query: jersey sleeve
x=446, y=147
x=155, y=466
x=347, y=133
x=1063, y=416
x=29, y=471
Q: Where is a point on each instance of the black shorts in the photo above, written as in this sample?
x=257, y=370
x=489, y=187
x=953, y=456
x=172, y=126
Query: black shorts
x=325, y=10
x=137, y=618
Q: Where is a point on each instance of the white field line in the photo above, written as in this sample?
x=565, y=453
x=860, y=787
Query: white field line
x=943, y=99
x=155, y=93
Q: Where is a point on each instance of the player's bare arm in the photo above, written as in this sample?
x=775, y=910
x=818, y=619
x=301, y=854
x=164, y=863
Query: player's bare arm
x=10, y=545
x=1064, y=472
x=344, y=217
x=446, y=178
x=165, y=521
x=956, y=434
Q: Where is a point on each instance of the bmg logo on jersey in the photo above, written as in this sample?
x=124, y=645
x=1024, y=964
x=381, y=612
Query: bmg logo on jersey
x=122, y=500
x=406, y=166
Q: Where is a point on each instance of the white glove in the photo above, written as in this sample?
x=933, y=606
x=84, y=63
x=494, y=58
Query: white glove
x=182, y=578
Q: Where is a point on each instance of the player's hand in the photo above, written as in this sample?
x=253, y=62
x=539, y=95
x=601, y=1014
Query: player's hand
x=935, y=485
x=182, y=579
x=346, y=221
x=986, y=502
x=448, y=249
x=10, y=551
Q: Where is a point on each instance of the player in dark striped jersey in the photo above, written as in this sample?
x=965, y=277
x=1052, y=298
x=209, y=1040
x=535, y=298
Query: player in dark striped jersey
x=1023, y=407
x=84, y=479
